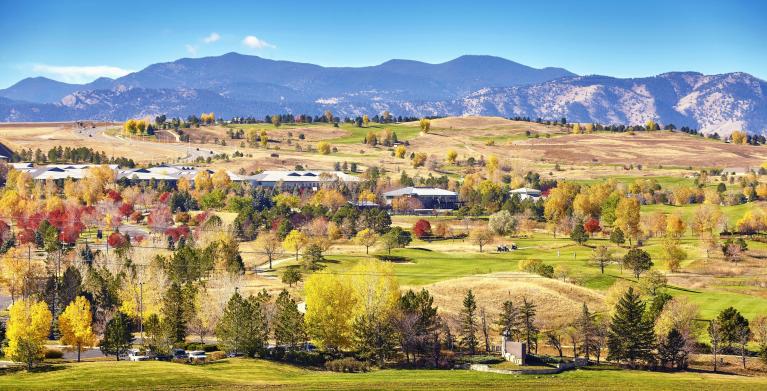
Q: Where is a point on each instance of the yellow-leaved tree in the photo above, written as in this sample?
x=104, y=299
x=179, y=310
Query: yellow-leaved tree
x=627, y=216
x=75, y=325
x=425, y=125
x=27, y=330
x=294, y=242
x=220, y=179
x=366, y=237
x=330, y=303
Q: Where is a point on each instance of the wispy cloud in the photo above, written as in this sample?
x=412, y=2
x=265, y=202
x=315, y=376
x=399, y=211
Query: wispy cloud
x=79, y=74
x=213, y=37
x=253, y=42
x=191, y=49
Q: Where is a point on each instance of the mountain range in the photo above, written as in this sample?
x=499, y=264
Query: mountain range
x=241, y=85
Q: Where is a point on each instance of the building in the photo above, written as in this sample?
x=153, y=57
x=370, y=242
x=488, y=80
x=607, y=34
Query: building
x=291, y=180
x=516, y=352
x=736, y=171
x=166, y=173
x=57, y=172
x=429, y=197
x=525, y=193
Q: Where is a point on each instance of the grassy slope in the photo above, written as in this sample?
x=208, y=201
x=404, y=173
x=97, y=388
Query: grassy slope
x=239, y=373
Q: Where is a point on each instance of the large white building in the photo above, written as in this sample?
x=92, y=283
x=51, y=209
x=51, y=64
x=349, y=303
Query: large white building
x=286, y=180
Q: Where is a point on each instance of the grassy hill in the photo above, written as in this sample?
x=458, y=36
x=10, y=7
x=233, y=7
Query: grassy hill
x=250, y=374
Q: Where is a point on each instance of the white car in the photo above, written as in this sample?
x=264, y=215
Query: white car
x=135, y=355
x=197, y=355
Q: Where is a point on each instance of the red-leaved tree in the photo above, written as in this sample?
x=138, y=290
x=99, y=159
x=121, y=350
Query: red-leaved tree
x=422, y=229
x=592, y=226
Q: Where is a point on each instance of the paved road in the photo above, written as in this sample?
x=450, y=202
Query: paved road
x=190, y=151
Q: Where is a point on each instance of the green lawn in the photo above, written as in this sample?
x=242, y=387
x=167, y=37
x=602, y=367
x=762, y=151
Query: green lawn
x=732, y=213
x=249, y=374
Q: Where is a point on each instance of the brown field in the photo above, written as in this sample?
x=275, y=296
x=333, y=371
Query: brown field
x=645, y=148
x=558, y=302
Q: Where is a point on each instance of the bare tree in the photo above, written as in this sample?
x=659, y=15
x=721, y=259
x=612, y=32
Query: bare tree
x=715, y=334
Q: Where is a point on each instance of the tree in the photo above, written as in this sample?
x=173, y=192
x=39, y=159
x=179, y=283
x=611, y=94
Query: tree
x=367, y=238
x=627, y=216
x=75, y=325
x=469, y=323
x=554, y=339
x=288, y=322
x=715, y=337
x=630, y=336
x=480, y=236
x=395, y=238
x=117, y=336
x=399, y=152
x=731, y=325
x=602, y=256
x=294, y=242
x=376, y=294
x=509, y=322
x=579, y=235
x=27, y=330
x=422, y=229
x=243, y=327
x=291, y=275
x=451, y=156
x=759, y=326
x=269, y=243
x=592, y=226
x=425, y=125
x=738, y=137
x=417, y=322
x=419, y=159
x=638, y=261
x=329, y=314
x=323, y=147
x=585, y=326
x=527, y=321
x=502, y=223
x=178, y=309
x=616, y=236
x=156, y=335
x=276, y=120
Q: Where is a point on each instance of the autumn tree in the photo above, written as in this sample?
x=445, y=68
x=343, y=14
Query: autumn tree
x=502, y=223
x=399, y=152
x=294, y=242
x=329, y=311
x=367, y=238
x=627, y=217
x=376, y=295
x=602, y=256
x=425, y=125
x=75, y=325
x=270, y=244
x=323, y=147
x=480, y=236
x=452, y=155
x=738, y=137
x=422, y=229
x=27, y=330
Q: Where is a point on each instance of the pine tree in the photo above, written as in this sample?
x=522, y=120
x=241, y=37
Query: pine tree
x=671, y=350
x=585, y=326
x=469, y=323
x=288, y=322
x=529, y=330
x=509, y=321
x=178, y=309
x=631, y=336
x=117, y=336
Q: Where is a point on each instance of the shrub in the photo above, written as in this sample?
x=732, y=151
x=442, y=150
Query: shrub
x=347, y=364
x=53, y=353
x=483, y=359
x=536, y=266
x=217, y=355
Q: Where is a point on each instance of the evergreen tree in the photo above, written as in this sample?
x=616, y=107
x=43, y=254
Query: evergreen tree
x=579, y=234
x=585, y=327
x=178, y=309
x=469, y=323
x=630, y=337
x=509, y=322
x=288, y=322
x=243, y=328
x=529, y=329
x=117, y=336
x=617, y=236
x=731, y=324
x=672, y=351
x=374, y=337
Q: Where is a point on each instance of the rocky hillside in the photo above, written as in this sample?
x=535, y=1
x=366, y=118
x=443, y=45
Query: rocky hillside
x=235, y=85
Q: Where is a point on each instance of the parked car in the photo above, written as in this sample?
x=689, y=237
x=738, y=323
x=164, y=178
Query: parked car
x=180, y=354
x=197, y=355
x=136, y=355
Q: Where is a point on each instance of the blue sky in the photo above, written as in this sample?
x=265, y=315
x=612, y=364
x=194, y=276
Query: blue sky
x=77, y=41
